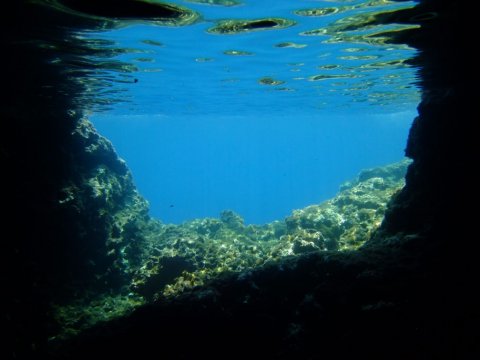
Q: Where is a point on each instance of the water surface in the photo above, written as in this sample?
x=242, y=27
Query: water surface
x=260, y=107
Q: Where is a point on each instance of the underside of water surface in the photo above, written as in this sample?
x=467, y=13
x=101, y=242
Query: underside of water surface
x=258, y=107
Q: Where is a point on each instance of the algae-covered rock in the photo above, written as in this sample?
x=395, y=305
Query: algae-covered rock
x=210, y=247
x=163, y=260
x=232, y=220
x=87, y=311
x=349, y=219
x=203, y=249
x=104, y=209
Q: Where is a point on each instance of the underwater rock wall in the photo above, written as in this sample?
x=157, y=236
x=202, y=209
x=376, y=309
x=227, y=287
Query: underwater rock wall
x=75, y=220
x=177, y=258
x=70, y=207
x=441, y=140
x=182, y=256
x=102, y=209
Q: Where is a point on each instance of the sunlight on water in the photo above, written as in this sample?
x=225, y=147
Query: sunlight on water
x=257, y=106
x=306, y=57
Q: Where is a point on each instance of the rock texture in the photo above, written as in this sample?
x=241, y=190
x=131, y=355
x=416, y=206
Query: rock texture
x=172, y=259
x=102, y=207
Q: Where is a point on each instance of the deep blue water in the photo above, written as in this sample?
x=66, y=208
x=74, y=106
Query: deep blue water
x=202, y=134
x=260, y=168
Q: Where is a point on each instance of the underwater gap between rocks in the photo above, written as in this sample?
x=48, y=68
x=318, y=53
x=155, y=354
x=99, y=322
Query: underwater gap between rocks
x=197, y=251
x=162, y=261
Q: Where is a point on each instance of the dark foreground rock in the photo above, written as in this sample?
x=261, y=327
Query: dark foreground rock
x=163, y=260
x=384, y=304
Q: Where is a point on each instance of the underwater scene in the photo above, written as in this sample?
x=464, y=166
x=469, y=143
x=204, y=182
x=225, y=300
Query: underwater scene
x=222, y=136
x=239, y=179
x=250, y=106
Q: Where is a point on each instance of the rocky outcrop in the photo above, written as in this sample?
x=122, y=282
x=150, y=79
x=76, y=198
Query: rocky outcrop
x=350, y=218
x=196, y=252
x=177, y=258
x=441, y=141
x=102, y=209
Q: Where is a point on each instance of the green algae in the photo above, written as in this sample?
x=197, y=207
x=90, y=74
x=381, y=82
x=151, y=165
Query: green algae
x=84, y=313
x=214, y=246
x=107, y=197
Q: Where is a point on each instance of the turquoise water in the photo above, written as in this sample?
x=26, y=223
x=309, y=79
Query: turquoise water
x=261, y=122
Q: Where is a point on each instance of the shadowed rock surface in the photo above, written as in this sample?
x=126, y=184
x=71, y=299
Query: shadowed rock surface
x=161, y=261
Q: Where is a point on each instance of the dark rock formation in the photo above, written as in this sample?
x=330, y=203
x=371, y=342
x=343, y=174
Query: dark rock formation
x=71, y=213
x=171, y=259
x=408, y=293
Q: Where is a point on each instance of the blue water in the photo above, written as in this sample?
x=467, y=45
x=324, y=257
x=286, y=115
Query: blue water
x=260, y=168
x=202, y=134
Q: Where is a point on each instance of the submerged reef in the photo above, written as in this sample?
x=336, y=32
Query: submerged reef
x=187, y=255
x=105, y=205
x=153, y=260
